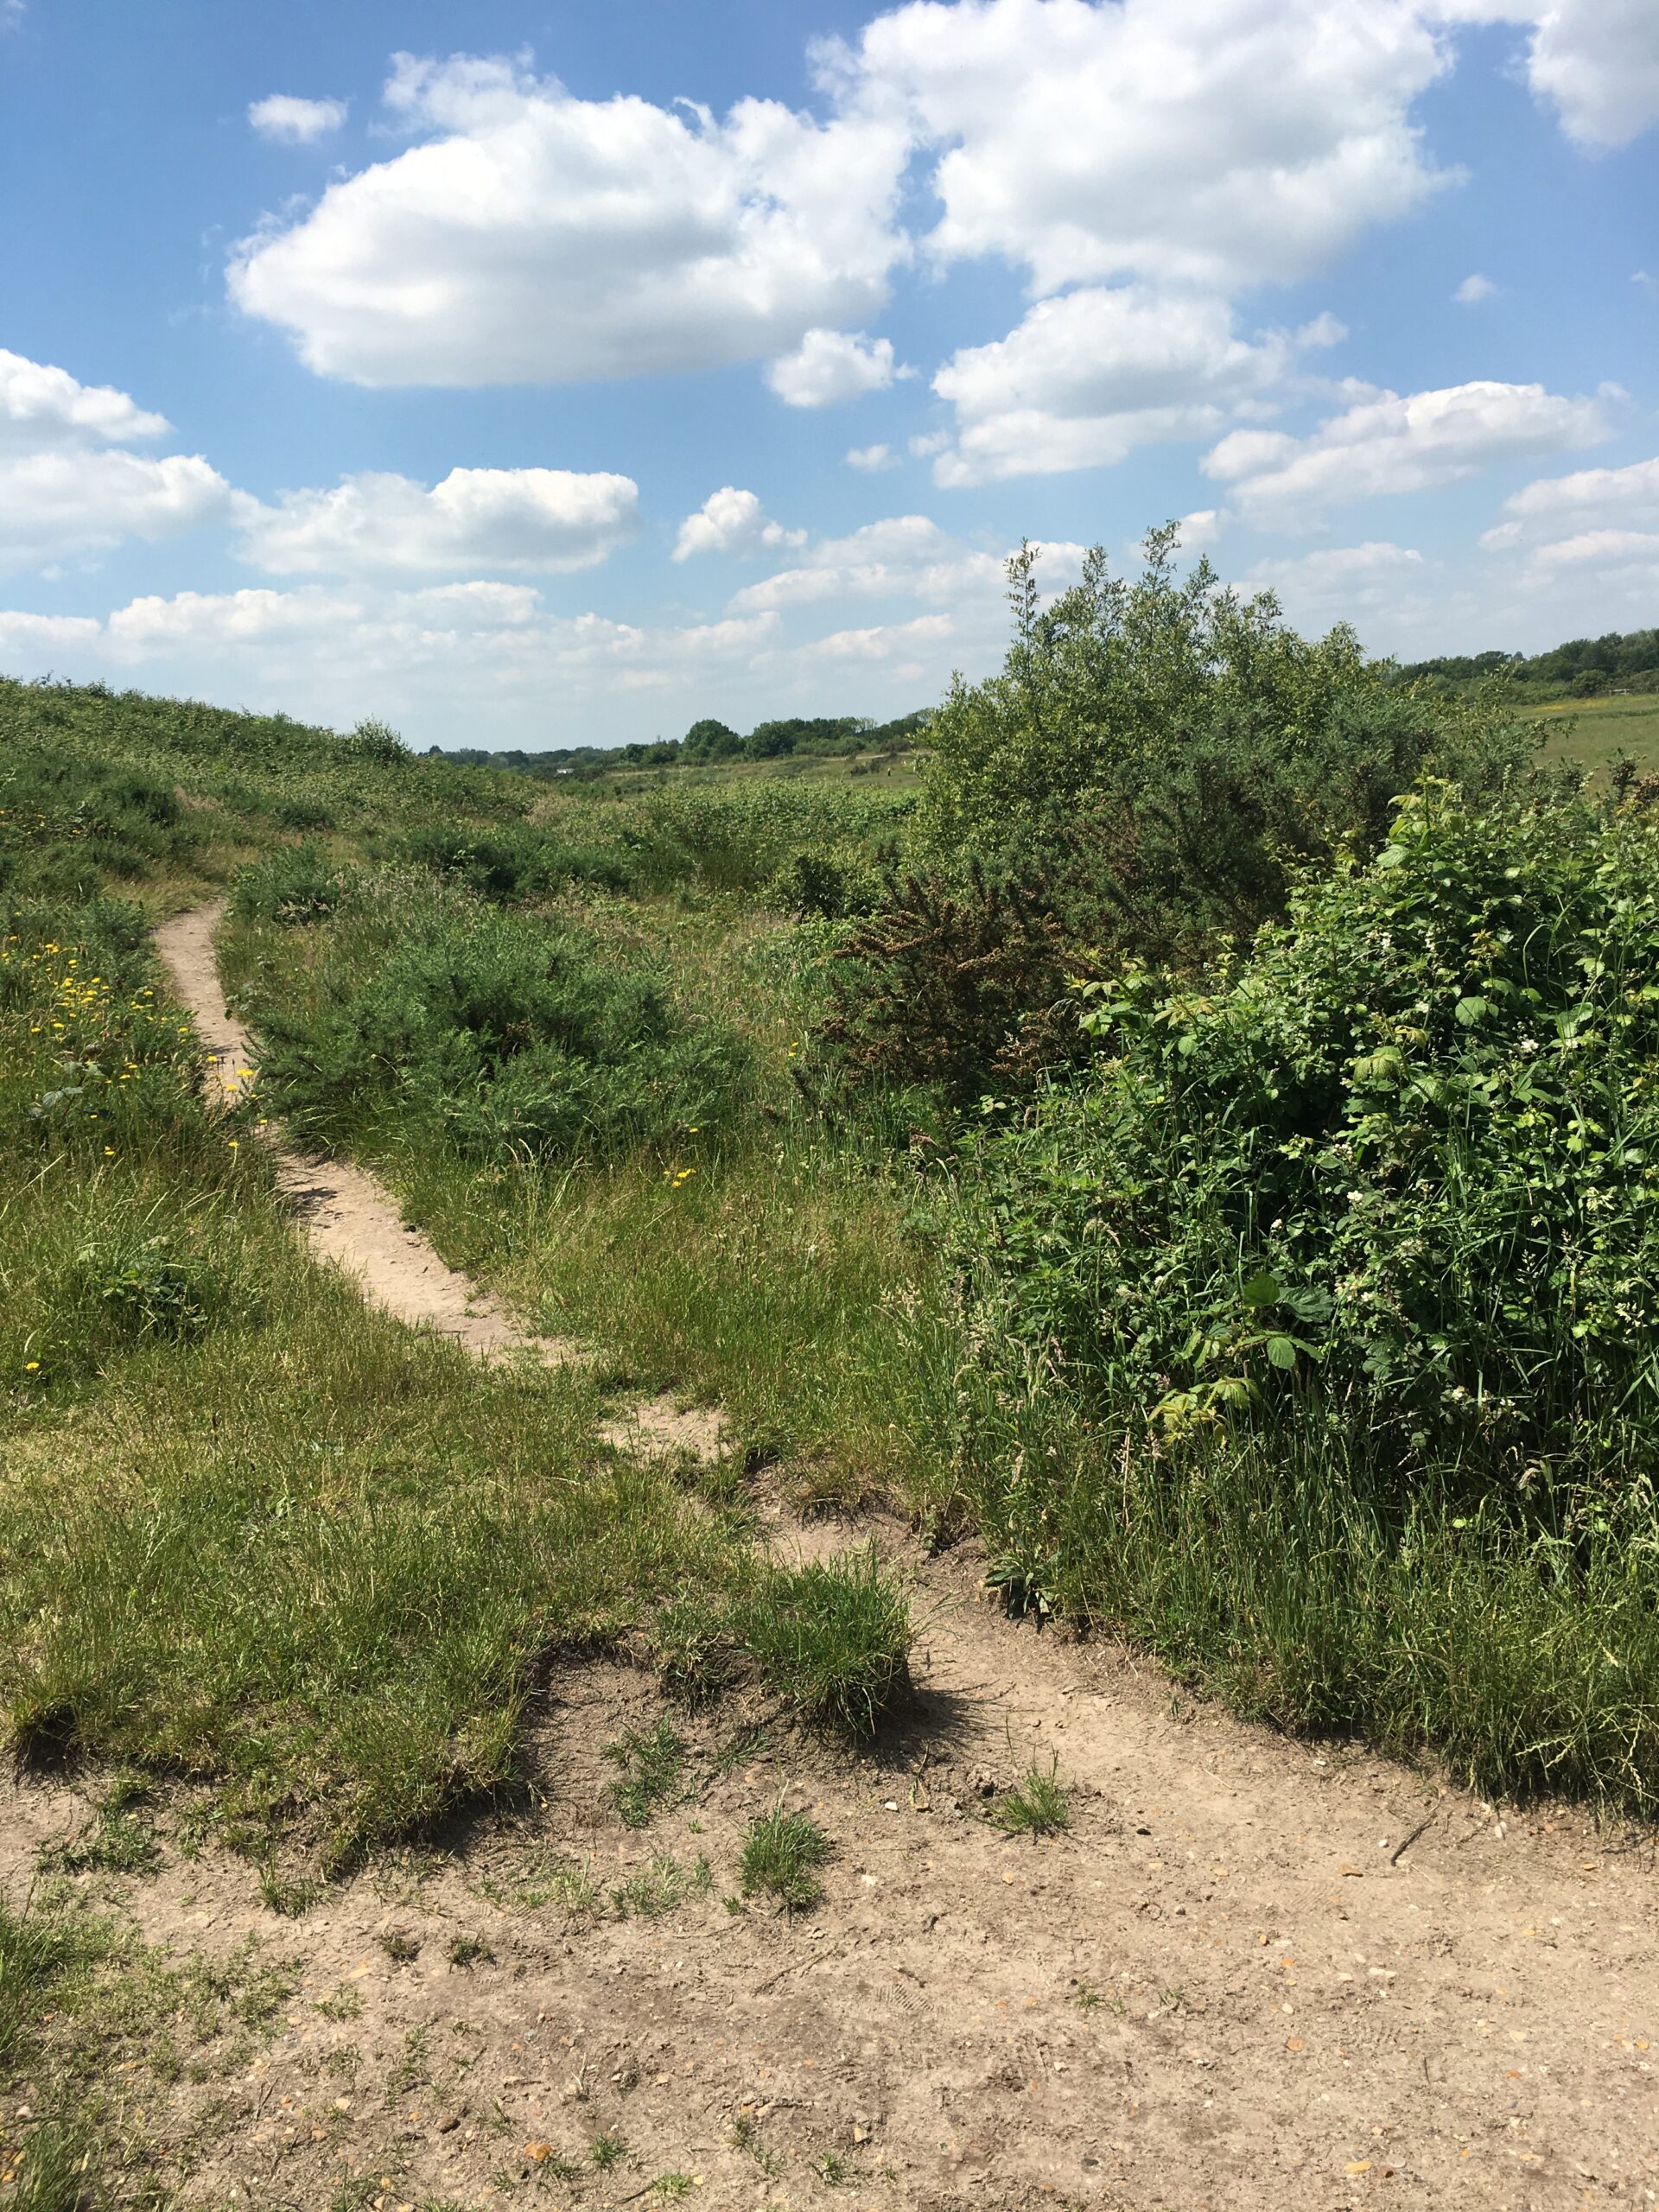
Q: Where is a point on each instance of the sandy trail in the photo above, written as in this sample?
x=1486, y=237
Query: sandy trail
x=1224, y=1990
x=351, y=1218
x=1254, y=1976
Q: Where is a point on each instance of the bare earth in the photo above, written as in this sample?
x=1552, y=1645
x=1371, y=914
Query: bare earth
x=1228, y=1987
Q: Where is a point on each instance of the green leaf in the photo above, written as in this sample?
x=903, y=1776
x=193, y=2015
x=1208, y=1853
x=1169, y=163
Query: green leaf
x=1282, y=1352
x=1260, y=1290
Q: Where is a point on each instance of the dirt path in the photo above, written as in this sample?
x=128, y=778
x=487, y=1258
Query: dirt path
x=351, y=1218
x=1225, y=1989
x=1253, y=1975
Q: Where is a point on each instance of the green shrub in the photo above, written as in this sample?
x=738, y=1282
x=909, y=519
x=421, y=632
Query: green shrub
x=1310, y=1332
x=505, y=1035
x=513, y=861
x=1157, y=766
x=832, y=1640
x=1396, y=1171
x=965, y=990
x=294, y=885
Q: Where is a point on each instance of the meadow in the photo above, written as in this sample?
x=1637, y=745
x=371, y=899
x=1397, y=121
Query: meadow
x=1218, y=1177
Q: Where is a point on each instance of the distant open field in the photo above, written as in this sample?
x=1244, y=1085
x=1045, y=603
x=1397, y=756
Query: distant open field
x=884, y=770
x=1594, y=730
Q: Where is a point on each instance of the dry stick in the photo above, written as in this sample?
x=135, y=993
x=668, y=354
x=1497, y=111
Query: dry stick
x=1401, y=1849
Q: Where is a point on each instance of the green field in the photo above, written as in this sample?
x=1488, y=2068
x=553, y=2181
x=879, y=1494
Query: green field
x=1593, y=732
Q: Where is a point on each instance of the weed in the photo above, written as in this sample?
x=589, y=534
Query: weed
x=652, y=1760
x=543, y=1880
x=659, y=1886
x=780, y=1858
x=414, y=2065
x=606, y=2150
x=291, y=1898
x=673, y=2186
x=834, y=2168
x=112, y=1844
x=401, y=1945
x=344, y=2003
x=470, y=1951
x=744, y=1744
x=832, y=1639
x=1035, y=1806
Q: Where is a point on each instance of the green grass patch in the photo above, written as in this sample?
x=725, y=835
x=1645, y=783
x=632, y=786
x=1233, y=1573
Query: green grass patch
x=653, y=1764
x=782, y=1854
x=833, y=1640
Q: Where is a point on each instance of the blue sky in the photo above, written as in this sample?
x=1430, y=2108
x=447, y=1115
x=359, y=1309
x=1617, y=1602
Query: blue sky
x=546, y=375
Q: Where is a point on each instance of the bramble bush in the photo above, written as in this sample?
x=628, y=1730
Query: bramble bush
x=1308, y=1334
x=1394, y=1172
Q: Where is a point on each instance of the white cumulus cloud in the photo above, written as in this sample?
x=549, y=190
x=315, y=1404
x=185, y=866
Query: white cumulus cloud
x=906, y=556
x=833, y=364
x=1388, y=444
x=523, y=519
x=1224, y=143
x=1595, y=61
x=1087, y=378
x=1473, y=289
x=1551, y=504
x=288, y=121
x=733, y=521
x=872, y=459
x=534, y=237
x=43, y=408
x=68, y=486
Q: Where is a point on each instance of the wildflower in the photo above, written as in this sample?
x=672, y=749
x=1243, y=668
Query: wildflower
x=109, y=1152
x=31, y=1366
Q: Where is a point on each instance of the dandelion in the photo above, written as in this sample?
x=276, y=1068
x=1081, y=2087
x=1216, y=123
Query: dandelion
x=109, y=1152
x=232, y=1144
x=31, y=1366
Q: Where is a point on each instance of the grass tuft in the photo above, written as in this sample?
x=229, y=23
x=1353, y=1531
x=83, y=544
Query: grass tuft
x=781, y=1858
x=1035, y=1806
x=653, y=1761
x=833, y=1640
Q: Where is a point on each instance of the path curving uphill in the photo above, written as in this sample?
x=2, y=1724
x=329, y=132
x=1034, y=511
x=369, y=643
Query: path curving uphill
x=349, y=1215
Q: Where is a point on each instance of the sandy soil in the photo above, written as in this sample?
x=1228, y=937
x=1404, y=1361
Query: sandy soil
x=1226, y=1987
x=1253, y=1976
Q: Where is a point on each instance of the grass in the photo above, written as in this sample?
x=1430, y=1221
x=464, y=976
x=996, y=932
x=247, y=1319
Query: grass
x=653, y=1762
x=781, y=1856
x=1035, y=1806
x=1592, y=732
x=82, y=2004
x=660, y=1886
x=605, y=2151
x=833, y=1640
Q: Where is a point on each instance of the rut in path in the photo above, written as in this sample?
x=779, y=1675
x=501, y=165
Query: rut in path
x=351, y=1218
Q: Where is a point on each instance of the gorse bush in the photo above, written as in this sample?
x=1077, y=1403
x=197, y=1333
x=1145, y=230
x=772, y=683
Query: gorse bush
x=501, y=1034
x=514, y=862
x=67, y=821
x=964, y=990
x=293, y=885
